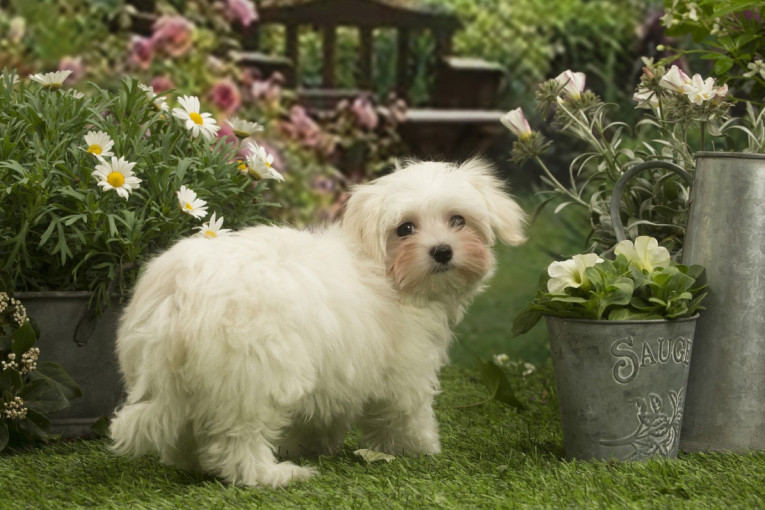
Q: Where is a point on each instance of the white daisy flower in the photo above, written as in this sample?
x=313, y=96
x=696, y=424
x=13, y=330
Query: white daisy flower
x=190, y=204
x=117, y=174
x=244, y=128
x=54, y=80
x=259, y=163
x=158, y=102
x=195, y=121
x=99, y=144
x=212, y=228
x=76, y=94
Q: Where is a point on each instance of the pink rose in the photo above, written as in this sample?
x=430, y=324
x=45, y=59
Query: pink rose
x=365, y=113
x=242, y=11
x=173, y=34
x=161, y=84
x=140, y=52
x=225, y=96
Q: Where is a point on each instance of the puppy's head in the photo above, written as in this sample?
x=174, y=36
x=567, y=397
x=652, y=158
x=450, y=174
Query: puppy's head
x=431, y=225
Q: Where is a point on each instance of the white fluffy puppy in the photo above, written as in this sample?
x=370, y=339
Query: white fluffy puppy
x=272, y=341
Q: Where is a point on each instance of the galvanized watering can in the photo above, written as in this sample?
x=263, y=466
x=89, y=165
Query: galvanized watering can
x=725, y=402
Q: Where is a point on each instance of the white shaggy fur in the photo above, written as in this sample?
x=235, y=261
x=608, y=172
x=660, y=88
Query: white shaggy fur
x=270, y=342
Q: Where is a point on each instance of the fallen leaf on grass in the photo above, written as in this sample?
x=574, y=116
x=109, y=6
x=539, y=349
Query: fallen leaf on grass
x=373, y=456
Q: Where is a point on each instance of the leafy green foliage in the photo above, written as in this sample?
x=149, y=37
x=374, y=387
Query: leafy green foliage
x=29, y=389
x=59, y=230
x=618, y=290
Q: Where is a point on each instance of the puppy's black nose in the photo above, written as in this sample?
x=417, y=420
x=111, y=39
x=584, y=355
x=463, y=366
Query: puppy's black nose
x=441, y=253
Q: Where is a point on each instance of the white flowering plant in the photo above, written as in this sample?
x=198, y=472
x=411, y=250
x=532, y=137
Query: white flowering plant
x=29, y=388
x=683, y=114
x=94, y=184
x=641, y=283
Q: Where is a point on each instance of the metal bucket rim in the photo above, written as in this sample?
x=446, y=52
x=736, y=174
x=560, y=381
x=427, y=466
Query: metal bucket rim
x=738, y=155
x=630, y=321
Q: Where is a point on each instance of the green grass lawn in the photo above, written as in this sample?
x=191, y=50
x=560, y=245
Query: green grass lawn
x=493, y=457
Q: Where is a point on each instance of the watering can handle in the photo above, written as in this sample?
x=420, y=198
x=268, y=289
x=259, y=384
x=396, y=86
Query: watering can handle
x=616, y=196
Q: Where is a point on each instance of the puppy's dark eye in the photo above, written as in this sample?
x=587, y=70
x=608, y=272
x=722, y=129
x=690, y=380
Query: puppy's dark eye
x=405, y=229
x=457, y=221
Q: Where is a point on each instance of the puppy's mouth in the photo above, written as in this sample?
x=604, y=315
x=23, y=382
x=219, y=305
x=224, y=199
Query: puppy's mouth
x=441, y=268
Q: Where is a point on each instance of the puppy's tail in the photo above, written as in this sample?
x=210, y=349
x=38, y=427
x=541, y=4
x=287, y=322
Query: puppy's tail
x=141, y=428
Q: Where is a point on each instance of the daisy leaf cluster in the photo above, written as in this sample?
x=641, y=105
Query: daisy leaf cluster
x=683, y=114
x=95, y=183
x=641, y=282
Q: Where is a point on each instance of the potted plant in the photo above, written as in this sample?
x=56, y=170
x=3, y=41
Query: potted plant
x=95, y=184
x=686, y=166
x=621, y=337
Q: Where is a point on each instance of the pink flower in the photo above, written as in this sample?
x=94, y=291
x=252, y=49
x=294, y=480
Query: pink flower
x=225, y=96
x=242, y=11
x=572, y=83
x=161, y=84
x=365, y=112
x=73, y=64
x=140, y=52
x=173, y=34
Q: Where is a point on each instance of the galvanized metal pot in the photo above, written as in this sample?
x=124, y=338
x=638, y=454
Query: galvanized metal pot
x=621, y=385
x=72, y=335
x=725, y=406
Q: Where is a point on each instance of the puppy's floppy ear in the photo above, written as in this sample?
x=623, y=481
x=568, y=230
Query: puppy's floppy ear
x=506, y=217
x=363, y=220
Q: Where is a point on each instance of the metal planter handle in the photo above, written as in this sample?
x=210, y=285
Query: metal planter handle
x=616, y=196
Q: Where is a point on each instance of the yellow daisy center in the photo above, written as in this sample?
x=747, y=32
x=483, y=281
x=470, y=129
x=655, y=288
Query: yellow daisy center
x=188, y=206
x=115, y=179
x=94, y=149
x=210, y=234
x=268, y=164
x=196, y=118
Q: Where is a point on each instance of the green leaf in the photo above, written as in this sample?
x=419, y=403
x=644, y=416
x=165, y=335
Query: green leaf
x=526, y=319
x=56, y=374
x=497, y=383
x=44, y=396
x=722, y=65
x=35, y=426
x=24, y=338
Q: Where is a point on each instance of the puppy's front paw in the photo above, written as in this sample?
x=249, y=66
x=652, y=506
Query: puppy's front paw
x=277, y=475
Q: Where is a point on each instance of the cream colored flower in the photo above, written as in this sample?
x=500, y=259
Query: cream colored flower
x=700, y=90
x=195, y=121
x=646, y=98
x=190, y=204
x=675, y=80
x=99, y=144
x=54, y=80
x=644, y=253
x=259, y=163
x=116, y=174
x=756, y=67
x=572, y=83
x=244, y=128
x=212, y=228
x=570, y=273
x=516, y=122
